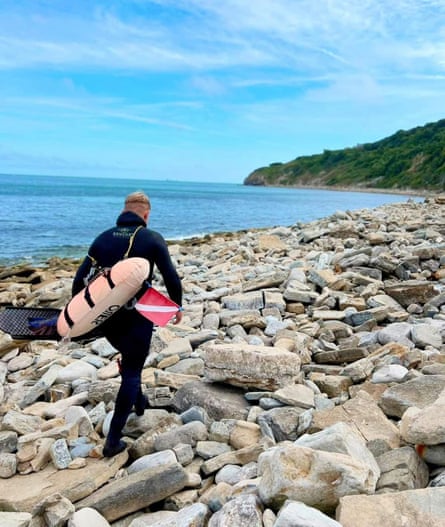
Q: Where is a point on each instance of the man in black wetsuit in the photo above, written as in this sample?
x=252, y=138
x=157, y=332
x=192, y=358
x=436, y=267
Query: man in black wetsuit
x=128, y=331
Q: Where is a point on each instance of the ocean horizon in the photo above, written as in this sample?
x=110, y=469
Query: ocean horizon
x=47, y=216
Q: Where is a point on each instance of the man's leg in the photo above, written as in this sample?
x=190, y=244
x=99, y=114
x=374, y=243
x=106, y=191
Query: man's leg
x=134, y=345
x=125, y=399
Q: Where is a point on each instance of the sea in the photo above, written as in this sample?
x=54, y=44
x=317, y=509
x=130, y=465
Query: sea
x=46, y=216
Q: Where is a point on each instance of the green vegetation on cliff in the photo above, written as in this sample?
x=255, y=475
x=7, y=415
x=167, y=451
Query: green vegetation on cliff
x=412, y=159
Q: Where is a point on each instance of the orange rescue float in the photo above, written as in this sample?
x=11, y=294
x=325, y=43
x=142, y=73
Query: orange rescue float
x=102, y=297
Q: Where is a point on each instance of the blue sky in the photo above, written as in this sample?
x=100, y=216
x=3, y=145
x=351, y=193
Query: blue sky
x=209, y=90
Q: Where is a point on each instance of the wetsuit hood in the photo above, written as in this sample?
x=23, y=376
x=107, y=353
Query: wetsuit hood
x=129, y=218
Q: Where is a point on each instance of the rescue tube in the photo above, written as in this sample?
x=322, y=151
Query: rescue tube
x=102, y=297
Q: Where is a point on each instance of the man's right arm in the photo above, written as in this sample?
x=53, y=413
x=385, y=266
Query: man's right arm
x=168, y=271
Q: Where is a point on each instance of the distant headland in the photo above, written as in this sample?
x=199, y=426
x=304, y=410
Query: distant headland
x=407, y=162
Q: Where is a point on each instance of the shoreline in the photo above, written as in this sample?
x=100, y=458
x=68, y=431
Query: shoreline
x=192, y=240
x=228, y=235
x=364, y=190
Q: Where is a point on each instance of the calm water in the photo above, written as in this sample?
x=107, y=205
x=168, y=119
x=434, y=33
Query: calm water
x=44, y=216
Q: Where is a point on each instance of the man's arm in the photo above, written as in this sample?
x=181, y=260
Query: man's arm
x=82, y=271
x=168, y=271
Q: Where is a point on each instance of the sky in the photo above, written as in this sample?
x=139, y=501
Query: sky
x=210, y=90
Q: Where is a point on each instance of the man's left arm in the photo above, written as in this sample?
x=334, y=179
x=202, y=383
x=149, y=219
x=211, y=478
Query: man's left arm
x=82, y=272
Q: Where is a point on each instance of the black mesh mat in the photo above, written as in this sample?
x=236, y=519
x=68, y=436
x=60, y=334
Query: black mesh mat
x=16, y=321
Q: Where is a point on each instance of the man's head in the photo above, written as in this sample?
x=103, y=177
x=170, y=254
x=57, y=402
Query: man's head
x=138, y=203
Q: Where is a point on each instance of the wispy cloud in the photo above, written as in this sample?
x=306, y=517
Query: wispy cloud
x=233, y=33
x=98, y=108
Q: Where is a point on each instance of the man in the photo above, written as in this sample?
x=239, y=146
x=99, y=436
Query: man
x=128, y=331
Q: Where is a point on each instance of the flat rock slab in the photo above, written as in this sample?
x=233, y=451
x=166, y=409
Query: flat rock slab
x=22, y=493
x=260, y=367
x=410, y=508
x=136, y=491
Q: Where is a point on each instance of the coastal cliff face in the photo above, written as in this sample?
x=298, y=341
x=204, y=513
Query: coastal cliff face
x=256, y=179
x=304, y=384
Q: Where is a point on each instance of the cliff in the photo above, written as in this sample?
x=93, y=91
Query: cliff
x=407, y=160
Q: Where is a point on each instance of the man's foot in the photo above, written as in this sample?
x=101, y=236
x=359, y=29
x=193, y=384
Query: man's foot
x=111, y=450
x=140, y=405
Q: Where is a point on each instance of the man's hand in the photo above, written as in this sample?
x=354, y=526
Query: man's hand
x=178, y=317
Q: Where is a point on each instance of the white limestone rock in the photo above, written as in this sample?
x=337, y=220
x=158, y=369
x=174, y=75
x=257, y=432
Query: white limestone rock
x=297, y=514
x=318, y=479
x=343, y=439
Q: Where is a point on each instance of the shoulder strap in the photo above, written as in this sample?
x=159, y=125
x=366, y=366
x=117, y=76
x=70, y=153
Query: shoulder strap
x=93, y=260
x=130, y=244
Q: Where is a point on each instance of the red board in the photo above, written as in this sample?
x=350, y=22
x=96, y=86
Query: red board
x=156, y=307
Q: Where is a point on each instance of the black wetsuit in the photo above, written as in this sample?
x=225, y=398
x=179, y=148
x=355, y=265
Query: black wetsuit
x=128, y=331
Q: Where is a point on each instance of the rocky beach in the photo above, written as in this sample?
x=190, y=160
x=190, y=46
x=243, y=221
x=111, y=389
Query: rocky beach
x=304, y=387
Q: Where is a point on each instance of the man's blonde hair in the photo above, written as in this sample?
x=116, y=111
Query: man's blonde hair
x=137, y=202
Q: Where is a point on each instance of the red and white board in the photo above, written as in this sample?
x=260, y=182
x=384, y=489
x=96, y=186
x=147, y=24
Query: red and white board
x=156, y=307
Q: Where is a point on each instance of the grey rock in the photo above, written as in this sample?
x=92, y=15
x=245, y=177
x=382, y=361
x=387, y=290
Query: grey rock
x=218, y=401
x=56, y=510
x=188, y=434
x=60, y=454
x=195, y=413
x=401, y=469
x=242, y=510
x=194, y=515
x=397, y=332
x=418, y=392
x=105, y=391
x=20, y=423
x=424, y=335
x=411, y=292
x=267, y=403
x=8, y=465
x=139, y=490
x=184, y=453
x=438, y=480
x=8, y=441
x=433, y=454
x=209, y=449
x=248, y=300
x=283, y=423
x=389, y=373
x=188, y=366
x=297, y=514
x=41, y=386
x=233, y=474
x=158, y=459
